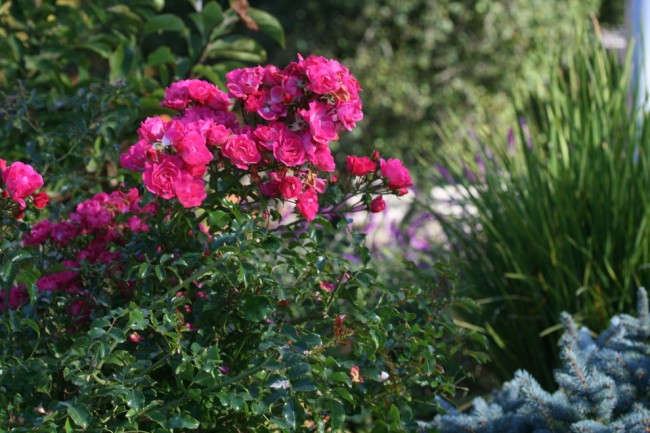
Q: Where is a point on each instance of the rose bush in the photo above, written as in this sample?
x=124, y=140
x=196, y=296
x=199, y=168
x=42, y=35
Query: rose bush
x=218, y=302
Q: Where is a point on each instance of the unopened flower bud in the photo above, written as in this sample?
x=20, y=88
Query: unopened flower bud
x=377, y=205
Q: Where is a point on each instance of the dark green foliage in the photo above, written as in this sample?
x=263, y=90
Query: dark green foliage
x=265, y=352
x=603, y=386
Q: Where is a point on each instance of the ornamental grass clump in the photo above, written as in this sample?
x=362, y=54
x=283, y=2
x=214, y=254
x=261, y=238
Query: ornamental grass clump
x=558, y=215
x=207, y=295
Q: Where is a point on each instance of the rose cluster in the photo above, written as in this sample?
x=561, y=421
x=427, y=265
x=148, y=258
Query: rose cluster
x=92, y=234
x=392, y=172
x=280, y=140
x=19, y=182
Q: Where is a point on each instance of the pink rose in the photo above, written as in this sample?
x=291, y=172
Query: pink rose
x=135, y=158
x=218, y=135
x=307, y=204
x=91, y=215
x=66, y=280
x=323, y=74
x=349, y=113
x=290, y=187
x=321, y=124
x=242, y=151
x=63, y=232
x=39, y=233
x=360, y=165
x=270, y=187
x=289, y=150
x=41, y=200
x=244, y=81
x=193, y=151
x=398, y=176
x=207, y=94
x=17, y=296
x=21, y=181
x=160, y=177
x=177, y=96
x=323, y=159
x=269, y=135
x=255, y=101
x=377, y=205
x=190, y=190
x=152, y=129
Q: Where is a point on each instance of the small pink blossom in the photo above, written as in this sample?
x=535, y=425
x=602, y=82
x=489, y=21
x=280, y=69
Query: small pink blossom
x=307, y=204
x=17, y=296
x=161, y=177
x=397, y=175
x=41, y=200
x=21, y=181
x=135, y=158
x=242, y=151
x=360, y=165
x=377, y=205
x=289, y=150
x=190, y=190
x=321, y=125
x=290, y=187
x=39, y=233
x=193, y=150
x=245, y=81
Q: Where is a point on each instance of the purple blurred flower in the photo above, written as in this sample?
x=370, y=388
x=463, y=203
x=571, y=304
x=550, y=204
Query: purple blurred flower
x=445, y=173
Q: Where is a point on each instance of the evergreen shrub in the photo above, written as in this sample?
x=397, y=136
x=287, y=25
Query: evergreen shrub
x=602, y=386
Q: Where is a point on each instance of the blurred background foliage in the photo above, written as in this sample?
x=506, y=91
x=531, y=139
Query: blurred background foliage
x=425, y=64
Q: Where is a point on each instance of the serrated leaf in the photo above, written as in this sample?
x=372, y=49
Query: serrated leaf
x=268, y=24
x=137, y=320
x=184, y=421
x=165, y=23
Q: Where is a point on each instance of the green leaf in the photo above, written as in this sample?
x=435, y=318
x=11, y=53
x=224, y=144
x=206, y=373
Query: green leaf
x=393, y=415
x=163, y=55
x=79, y=414
x=121, y=61
x=183, y=421
x=20, y=256
x=257, y=308
x=212, y=15
x=137, y=320
x=165, y=23
x=218, y=219
x=337, y=414
x=344, y=394
x=289, y=412
x=268, y=24
x=135, y=399
x=207, y=19
x=239, y=48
